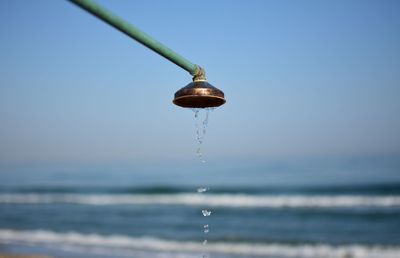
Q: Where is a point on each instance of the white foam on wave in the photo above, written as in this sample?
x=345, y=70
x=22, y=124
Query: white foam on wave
x=126, y=245
x=216, y=200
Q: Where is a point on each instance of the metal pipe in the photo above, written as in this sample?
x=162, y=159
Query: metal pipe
x=138, y=35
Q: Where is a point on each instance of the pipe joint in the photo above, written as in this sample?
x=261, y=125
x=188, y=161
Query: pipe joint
x=200, y=74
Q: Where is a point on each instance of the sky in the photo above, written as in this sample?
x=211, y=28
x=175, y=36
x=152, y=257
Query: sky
x=301, y=79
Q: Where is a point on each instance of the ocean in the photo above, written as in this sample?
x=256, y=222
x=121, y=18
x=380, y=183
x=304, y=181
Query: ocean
x=74, y=214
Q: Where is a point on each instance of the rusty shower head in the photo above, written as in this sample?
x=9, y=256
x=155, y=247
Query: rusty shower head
x=199, y=94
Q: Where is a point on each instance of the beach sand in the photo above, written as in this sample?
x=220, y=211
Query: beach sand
x=22, y=256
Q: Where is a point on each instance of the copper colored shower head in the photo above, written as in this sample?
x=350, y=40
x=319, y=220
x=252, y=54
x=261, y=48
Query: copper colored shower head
x=199, y=94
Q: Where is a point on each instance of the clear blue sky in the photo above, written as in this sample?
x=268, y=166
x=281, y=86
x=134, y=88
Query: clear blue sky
x=301, y=78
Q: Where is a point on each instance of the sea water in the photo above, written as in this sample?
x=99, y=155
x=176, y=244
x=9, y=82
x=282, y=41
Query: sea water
x=154, y=212
x=144, y=221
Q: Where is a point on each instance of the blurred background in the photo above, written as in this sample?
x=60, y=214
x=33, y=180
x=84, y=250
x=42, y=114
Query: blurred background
x=302, y=161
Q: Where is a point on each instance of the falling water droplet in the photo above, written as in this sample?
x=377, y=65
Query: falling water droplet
x=202, y=189
x=206, y=229
x=206, y=213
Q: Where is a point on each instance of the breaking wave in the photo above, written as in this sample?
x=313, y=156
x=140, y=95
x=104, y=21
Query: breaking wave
x=213, y=200
x=126, y=245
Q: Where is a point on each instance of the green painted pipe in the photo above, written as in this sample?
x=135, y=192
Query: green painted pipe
x=133, y=32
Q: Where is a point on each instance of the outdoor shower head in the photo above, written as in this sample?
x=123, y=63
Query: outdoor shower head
x=199, y=94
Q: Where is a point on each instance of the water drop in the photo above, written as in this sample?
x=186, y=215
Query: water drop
x=202, y=189
x=206, y=213
x=206, y=229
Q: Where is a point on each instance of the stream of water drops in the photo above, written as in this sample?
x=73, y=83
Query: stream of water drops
x=205, y=213
x=201, y=129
